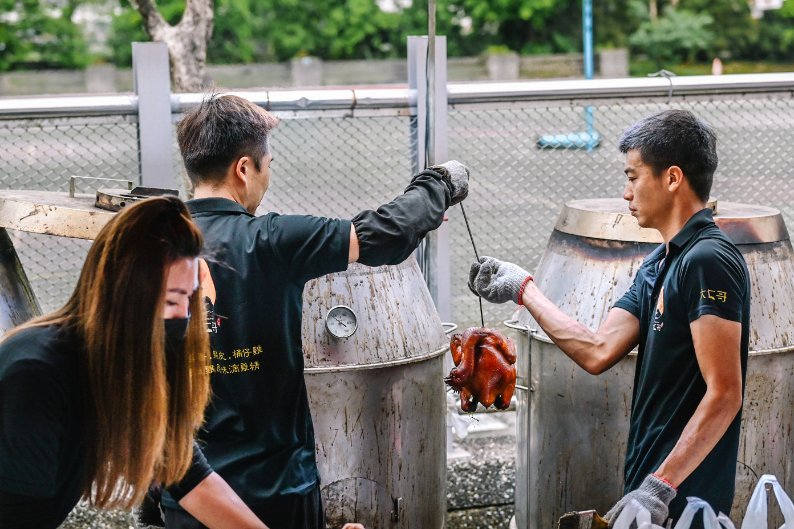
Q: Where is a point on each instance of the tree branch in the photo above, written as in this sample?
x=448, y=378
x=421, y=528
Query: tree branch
x=153, y=21
x=198, y=14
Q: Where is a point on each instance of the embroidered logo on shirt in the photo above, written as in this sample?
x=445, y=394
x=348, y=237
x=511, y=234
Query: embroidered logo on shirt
x=208, y=288
x=239, y=361
x=659, y=313
x=717, y=295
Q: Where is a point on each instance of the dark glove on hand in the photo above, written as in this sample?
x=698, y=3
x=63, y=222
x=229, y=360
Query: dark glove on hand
x=653, y=494
x=496, y=281
x=456, y=176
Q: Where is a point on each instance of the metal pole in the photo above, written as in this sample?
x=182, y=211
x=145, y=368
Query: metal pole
x=430, y=158
x=587, y=37
x=151, y=73
x=429, y=138
x=587, y=32
x=440, y=153
x=417, y=80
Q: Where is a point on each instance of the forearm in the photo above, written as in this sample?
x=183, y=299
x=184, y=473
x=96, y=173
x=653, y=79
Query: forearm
x=216, y=505
x=708, y=424
x=589, y=349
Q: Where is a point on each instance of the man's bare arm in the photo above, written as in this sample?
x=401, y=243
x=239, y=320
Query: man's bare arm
x=352, y=254
x=717, y=347
x=593, y=351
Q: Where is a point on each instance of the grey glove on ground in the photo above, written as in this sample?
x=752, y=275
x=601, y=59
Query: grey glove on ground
x=653, y=494
x=456, y=175
x=496, y=281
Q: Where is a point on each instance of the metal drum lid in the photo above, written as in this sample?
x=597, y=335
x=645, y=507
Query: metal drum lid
x=609, y=218
x=52, y=213
x=396, y=320
x=596, y=248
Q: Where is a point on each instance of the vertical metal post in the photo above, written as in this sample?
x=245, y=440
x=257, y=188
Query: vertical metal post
x=587, y=37
x=417, y=81
x=151, y=75
x=429, y=138
x=431, y=83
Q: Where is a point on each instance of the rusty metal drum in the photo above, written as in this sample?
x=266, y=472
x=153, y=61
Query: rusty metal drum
x=41, y=212
x=377, y=397
x=573, y=427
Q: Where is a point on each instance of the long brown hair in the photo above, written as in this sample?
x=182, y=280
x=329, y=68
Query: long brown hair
x=142, y=408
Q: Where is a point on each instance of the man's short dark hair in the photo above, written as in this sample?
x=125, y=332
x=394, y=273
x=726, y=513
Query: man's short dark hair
x=676, y=137
x=221, y=130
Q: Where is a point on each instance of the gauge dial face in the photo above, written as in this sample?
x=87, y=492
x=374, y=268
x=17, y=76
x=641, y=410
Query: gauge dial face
x=341, y=321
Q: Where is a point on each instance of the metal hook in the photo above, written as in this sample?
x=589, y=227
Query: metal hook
x=667, y=74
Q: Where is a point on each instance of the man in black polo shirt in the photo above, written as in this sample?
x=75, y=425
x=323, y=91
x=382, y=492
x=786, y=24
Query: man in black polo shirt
x=688, y=310
x=258, y=433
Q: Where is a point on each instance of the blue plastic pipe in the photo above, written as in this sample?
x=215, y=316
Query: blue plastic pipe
x=587, y=36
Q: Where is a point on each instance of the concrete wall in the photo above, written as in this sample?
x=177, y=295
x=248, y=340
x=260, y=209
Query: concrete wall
x=309, y=71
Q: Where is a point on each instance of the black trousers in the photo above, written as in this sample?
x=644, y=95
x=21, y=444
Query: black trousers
x=282, y=512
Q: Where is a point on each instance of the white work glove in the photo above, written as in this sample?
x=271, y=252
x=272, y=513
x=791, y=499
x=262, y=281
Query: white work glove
x=653, y=494
x=456, y=176
x=497, y=281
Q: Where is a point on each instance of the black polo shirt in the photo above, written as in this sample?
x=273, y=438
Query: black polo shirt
x=258, y=433
x=43, y=447
x=703, y=273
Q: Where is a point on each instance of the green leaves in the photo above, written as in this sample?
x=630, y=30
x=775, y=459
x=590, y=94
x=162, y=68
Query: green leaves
x=40, y=35
x=675, y=37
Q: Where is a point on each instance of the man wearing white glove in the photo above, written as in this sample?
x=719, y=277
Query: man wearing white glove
x=688, y=310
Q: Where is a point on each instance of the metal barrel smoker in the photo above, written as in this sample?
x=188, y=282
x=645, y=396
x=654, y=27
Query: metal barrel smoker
x=373, y=351
x=50, y=213
x=41, y=212
x=572, y=427
x=377, y=397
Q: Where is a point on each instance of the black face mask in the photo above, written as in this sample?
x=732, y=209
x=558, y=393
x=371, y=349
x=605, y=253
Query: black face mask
x=175, y=331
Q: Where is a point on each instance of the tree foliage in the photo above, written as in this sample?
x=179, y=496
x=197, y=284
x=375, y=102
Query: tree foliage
x=775, y=35
x=40, y=34
x=676, y=36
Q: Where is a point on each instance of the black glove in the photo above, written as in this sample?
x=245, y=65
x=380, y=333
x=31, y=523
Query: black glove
x=654, y=494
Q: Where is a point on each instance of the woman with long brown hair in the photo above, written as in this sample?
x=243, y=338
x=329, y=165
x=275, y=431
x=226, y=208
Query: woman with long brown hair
x=102, y=398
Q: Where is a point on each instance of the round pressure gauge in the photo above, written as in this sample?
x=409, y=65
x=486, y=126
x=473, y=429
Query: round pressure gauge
x=341, y=321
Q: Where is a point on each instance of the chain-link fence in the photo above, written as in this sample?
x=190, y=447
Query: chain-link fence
x=331, y=166
x=517, y=190
x=336, y=165
x=42, y=154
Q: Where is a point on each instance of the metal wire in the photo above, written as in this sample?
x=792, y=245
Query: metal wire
x=476, y=255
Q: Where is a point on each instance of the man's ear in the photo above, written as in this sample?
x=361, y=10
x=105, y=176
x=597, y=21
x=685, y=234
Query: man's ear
x=675, y=177
x=241, y=170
